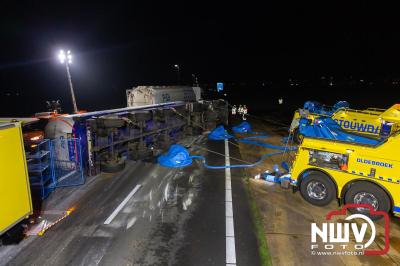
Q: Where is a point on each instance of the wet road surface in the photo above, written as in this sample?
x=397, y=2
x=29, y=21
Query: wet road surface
x=169, y=217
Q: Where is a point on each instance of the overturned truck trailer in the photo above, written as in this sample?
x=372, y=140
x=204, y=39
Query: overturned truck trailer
x=145, y=95
x=107, y=138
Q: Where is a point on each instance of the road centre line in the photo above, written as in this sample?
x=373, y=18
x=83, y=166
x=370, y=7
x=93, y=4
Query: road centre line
x=229, y=221
x=122, y=205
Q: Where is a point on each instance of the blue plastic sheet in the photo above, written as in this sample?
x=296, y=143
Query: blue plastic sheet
x=340, y=104
x=312, y=106
x=318, y=108
x=327, y=128
x=243, y=127
x=262, y=159
x=266, y=145
x=219, y=133
x=177, y=156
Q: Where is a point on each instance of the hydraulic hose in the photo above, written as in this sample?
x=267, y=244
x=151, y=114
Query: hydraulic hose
x=266, y=145
x=262, y=159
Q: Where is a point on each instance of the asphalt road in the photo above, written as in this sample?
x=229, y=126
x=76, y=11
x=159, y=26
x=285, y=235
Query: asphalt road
x=170, y=217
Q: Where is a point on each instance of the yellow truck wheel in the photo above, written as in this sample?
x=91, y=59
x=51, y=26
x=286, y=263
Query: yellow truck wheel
x=363, y=192
x=318, y=189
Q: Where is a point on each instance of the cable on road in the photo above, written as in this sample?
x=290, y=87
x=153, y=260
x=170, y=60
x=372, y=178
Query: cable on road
x=261, y=160
x=178, y=156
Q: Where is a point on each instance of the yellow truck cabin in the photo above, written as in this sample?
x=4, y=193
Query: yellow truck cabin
x=325, y=169
x=15, y=196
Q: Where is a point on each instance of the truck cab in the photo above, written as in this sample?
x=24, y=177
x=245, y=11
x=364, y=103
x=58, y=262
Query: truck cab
x=15, y=199
x=352, y=172
x=374, y=122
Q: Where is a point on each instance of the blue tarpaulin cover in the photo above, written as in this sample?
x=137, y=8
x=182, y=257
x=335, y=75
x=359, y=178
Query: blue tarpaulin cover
x=340, y=104
x=177, y=156
x=327, y=128
x=219, y=133
x=243, y=127
x=312, y=106
x=318, y=108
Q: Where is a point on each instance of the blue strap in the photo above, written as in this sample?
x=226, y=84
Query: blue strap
x=262, y=159
x=266, y=145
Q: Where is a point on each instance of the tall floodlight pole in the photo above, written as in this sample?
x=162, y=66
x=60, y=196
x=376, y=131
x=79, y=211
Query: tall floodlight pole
x=178, y=73
x=66, y=58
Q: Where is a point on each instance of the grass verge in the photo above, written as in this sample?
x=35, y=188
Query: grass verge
x=263, y=250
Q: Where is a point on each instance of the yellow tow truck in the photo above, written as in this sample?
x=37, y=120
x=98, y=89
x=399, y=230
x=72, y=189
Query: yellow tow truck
x=373, y=122
x=15, y=196
x=360, y=173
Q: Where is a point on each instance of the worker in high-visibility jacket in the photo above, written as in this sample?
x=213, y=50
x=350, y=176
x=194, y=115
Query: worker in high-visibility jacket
x=244, y=112
x=240, y=110
x=234, y=110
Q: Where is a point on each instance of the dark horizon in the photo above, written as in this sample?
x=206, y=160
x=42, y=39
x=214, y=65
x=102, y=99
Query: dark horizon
x=123, y=44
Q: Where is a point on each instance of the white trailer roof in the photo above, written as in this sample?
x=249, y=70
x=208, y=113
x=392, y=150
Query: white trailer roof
x=126, y=109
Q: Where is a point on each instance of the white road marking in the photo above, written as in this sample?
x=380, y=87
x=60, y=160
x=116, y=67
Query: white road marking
x=122, y=204
x=228, y=194
x=230, y=250
x=229, y=222
x=228, y=185
x=229, y=227
x=228, y=209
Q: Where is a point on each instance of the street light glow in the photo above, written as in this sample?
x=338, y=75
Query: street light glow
x=178, y=74
x=65, y=57
x=69, y=56
x=61, y=56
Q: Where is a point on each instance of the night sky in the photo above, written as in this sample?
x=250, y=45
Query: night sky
x=254, y=48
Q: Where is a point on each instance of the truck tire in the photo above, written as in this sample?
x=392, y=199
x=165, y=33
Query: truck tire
x=211, y=116
x=197, y=107
x=113, y=166
x=318, y=189
x=102, y=132
x=14, y=235
x=140, y=154
x=169, y=112
x=363, y=192
x=142, y=116
x=110, y=122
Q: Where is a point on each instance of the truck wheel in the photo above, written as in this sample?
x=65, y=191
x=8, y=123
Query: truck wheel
x=142, y=116
x=169, y=112
x=13, y=236
x=211, y=116
x=197, y=107
x=297, y=137
x=367, y=193
x=318, y=189
x=113, y=166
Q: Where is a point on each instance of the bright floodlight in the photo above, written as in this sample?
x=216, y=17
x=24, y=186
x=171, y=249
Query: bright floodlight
x=65, y=57
x=69, y=56
x=61, y=56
